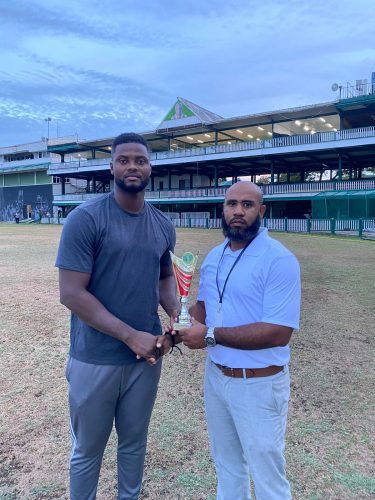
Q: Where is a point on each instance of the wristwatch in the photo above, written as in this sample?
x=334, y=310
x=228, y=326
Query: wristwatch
x=209, y=339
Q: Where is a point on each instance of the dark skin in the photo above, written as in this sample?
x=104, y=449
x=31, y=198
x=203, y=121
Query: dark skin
x=243, y=203
x=75, y=296
x=250, y=336
x=131, y=166
x=198, y=311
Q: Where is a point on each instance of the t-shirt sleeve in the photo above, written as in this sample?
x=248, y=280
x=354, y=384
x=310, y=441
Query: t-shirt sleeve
x=77, y=244
x=282, y=294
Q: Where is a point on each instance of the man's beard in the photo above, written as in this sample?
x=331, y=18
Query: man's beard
x=241, y=234
x=133, y=188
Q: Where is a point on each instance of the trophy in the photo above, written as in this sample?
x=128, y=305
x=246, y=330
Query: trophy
x=183, y=268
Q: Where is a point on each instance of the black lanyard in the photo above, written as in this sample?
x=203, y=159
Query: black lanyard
x=221, y=294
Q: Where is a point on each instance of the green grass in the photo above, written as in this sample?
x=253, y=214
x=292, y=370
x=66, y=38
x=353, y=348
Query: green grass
x=330, y=438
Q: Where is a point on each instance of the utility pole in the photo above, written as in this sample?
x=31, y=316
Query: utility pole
x=48, y=120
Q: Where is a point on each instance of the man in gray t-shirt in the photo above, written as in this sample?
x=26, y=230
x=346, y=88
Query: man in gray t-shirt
x=114, y=271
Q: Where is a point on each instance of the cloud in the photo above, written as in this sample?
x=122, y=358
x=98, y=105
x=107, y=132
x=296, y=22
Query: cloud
x=31, y=17
x=97, y=67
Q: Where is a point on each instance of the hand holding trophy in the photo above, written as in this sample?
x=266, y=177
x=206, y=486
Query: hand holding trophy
x=183, y=268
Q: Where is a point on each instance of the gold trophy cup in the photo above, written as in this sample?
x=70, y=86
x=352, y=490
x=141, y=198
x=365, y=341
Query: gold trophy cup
x=183, y=268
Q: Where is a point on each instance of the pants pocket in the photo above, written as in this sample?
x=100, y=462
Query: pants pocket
x=281, y=394
x=68, y=367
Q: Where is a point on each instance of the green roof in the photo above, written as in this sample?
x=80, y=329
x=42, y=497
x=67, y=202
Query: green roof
x=361, y=193
x=358, y=101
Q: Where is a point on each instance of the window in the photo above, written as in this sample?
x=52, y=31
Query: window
x=19, y=157
x=57, y=180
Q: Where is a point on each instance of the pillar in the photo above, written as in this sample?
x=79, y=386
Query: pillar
x=339, y=172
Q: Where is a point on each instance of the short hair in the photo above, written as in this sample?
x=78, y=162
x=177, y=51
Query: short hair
x=129, y=137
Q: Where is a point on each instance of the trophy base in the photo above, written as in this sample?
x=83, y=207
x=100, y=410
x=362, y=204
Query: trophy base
x=181, y=326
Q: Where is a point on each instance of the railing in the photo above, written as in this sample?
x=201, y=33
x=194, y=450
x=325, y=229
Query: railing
x=268, y=190
x=78, y=165
x=197, y=223
x=308, y=187
x=351, y=227
x=332, y=226
x=278, y=142
x=75, y=196
x=187, y=193
x=25, y=164
x=292, y=140
x=358, y=90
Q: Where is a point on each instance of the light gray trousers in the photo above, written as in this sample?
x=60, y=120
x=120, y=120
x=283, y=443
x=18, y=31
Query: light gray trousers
x=98, y=396
x=246, y=420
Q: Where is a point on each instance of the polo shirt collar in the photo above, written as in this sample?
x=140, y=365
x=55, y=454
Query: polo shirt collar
x=256, y=247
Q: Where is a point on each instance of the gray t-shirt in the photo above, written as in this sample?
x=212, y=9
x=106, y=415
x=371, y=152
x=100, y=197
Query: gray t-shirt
x=122, y=252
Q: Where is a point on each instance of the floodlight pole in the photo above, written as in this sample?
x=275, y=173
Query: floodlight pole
x=48, y=120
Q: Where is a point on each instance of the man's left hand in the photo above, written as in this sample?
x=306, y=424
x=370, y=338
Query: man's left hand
x=193, y=337
x=173, y=318
x=163, y=344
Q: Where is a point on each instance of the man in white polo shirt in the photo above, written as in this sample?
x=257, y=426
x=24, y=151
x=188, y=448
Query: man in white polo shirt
x=248, y=306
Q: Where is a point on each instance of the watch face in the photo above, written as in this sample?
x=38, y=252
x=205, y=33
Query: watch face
x=210, y=341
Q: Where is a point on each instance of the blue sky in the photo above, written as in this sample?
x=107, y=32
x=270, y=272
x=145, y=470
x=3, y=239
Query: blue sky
x=98, y=68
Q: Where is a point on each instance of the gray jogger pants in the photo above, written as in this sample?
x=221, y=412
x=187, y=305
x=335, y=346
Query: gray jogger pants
x=98, y=396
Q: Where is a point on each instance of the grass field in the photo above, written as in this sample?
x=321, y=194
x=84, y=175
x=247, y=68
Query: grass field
x=330, y=437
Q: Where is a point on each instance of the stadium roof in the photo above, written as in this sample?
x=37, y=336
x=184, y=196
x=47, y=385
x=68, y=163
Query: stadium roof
x=186, y=117
x=367, y=193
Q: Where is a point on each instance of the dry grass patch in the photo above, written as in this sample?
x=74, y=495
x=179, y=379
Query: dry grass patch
x=330, y=430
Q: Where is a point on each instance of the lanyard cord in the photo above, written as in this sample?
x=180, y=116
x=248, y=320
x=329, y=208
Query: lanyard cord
x=221, y=294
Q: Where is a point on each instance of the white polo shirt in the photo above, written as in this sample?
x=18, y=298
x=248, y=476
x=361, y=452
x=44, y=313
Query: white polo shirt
x=264, y=286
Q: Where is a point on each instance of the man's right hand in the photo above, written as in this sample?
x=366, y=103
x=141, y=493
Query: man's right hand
x=143, y=344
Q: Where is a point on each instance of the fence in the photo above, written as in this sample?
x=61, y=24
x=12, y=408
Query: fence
x=352, y=227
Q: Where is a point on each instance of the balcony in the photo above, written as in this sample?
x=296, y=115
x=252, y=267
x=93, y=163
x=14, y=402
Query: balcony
x=294, y=143
x=212, y=195
x=316, y=140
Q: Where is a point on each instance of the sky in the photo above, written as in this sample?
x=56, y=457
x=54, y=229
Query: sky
x=98, y=68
